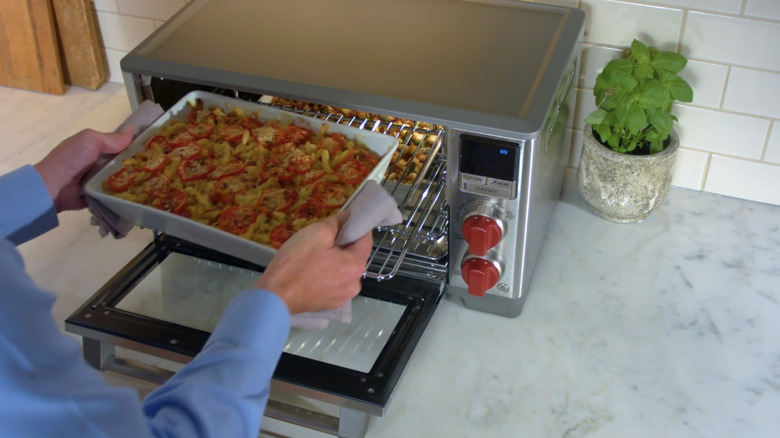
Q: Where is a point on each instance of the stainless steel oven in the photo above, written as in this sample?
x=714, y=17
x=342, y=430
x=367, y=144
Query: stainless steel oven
x=478, y=94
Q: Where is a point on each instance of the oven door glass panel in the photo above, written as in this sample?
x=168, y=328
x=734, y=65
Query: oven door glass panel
x=193, y=292
x=166, y=301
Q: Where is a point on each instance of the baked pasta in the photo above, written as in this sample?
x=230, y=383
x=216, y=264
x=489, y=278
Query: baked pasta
x=259, y=180
x=415, y=139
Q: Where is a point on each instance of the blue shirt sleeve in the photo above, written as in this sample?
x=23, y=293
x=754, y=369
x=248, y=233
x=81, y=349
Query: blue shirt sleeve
x=27, y=209
x=47, y=389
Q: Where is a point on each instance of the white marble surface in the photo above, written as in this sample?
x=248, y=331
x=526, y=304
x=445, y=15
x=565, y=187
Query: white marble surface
x=669, y=327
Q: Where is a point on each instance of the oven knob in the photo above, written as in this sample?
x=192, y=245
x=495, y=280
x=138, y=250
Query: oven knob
x=481, y=233
x=480, y=275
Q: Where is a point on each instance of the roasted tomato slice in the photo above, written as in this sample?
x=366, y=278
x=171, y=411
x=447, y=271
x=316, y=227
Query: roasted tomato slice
x=194, y=169
x=231, y=133
x=226, y=189
x=251, y=123
x=351, y=171
x=189, y=150
x=155, y=162
x=157, y=186
x=280, y=234
x=293, y=134
x=237, y=219
x=175, y=202
x=121, y=180
x=180, y=139
x=311, y=209
x=277, y=199
x=202, y=129
x=158, y=143
x=330, y=194
x=230, y=168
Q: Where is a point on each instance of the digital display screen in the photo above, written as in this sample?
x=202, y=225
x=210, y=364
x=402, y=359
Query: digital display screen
x=488, y=157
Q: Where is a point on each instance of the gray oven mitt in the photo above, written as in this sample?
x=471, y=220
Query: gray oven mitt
x=106, y=220
x=372, y=207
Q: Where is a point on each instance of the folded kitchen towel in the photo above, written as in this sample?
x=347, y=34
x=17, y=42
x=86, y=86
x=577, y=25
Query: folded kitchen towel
x=372, y=207
x=106, y=220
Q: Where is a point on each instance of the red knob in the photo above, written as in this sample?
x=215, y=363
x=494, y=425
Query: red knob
x=480, y=275
x=481, y=233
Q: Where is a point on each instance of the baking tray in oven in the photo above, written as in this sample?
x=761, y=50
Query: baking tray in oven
x=204, y=235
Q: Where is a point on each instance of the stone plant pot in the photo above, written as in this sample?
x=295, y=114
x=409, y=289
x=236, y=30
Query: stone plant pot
x=624, y=188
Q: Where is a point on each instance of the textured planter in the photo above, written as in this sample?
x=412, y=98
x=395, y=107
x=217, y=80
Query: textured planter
x=624, y=188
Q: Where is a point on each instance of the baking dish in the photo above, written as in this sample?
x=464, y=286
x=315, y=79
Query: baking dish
x=204, y=235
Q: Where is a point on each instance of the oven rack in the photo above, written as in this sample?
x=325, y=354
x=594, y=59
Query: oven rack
x=419, y=243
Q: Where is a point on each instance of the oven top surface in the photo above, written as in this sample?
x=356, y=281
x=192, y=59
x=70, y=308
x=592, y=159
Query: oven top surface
x=449, y=60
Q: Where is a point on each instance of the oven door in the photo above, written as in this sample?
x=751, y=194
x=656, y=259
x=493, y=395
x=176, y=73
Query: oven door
x=163, y=305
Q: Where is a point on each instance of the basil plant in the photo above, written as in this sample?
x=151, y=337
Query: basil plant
x=634, y=95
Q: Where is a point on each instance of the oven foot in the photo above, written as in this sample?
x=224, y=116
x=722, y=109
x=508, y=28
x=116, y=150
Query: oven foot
x=353, y=423
x=350, y=423
x=97, y=353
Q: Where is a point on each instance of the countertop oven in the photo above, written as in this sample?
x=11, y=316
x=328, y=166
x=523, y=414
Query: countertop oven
x=479, y=96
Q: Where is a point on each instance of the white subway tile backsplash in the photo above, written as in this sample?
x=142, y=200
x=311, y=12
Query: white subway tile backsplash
x=594, y=58
x=744, y=179
x=726, y=6
x=155, y=9
x=707, y=80
x=753, y=92
x=618, y=23
x=584, y=106
x=732, y=40
x=113, y=57
x=576, y=148
x=763, y=9
x=121, y=32
x=105, y=5
x=721, y=133
x=689, y=168
x=564, y=3
x=772, y=154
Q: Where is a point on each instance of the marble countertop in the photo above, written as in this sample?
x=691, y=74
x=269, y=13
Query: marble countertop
x=669, y=327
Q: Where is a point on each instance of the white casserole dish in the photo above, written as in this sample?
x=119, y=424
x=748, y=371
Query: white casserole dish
x=204, y=235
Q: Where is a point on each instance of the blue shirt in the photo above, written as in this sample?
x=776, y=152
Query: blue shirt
x=47, y=389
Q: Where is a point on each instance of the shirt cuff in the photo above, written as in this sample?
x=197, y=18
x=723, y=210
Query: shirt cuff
x=257, y=319
x=28, y=210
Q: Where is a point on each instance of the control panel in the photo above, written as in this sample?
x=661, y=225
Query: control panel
x=487, y=189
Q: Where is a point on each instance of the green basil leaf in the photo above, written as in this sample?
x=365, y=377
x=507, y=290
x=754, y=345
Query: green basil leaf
x=623, y=80
x=640, y=51
x=681, y=90
x=596, y=117
x=654, y=95
x=669, y=62
x=637, y=120
x=662, y=121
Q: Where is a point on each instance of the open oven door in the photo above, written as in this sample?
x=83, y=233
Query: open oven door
x=163, y=305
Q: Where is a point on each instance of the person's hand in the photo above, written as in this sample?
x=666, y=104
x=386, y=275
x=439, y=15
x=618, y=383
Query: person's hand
x=64, y=167
x=311, y=273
